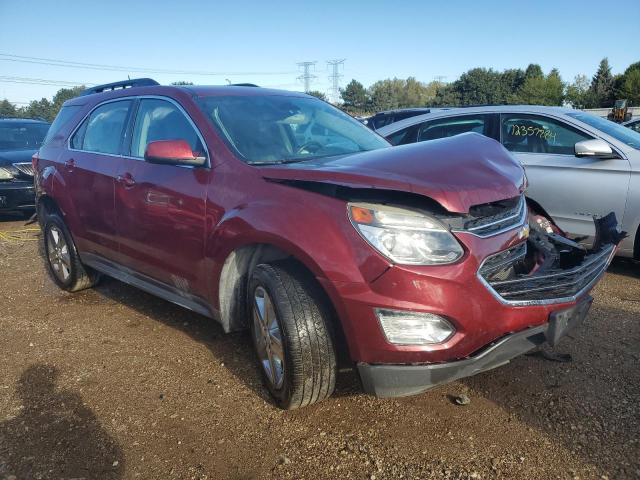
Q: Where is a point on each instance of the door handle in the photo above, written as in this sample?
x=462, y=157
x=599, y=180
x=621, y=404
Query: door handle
x=70, y=164
x=126, y=180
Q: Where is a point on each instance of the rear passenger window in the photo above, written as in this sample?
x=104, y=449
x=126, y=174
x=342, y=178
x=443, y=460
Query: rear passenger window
x=64, y=115
x=162, y=120
x=448, y=127
x=539, y=134
x=102, y=131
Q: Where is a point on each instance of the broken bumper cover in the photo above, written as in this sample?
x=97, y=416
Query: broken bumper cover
x=17, y=195
x=404, y=380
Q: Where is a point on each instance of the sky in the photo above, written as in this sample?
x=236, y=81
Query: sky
x=262, y=41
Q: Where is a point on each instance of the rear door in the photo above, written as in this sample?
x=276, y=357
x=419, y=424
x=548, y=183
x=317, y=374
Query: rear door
x=89, y=167
x=571, y=189
x=161, y=208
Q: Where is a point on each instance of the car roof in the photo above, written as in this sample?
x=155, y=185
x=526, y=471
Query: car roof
x=23, y=120
x=455, y=111
x=402, y=110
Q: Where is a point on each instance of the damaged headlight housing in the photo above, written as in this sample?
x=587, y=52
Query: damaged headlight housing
x=404, y=236
x=8, y=172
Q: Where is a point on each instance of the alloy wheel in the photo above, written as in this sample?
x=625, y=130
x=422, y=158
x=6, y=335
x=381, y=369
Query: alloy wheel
x=58, y=254
x=268, y=337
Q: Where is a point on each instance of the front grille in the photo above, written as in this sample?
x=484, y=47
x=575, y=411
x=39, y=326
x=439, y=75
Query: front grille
x=552, y=286
x=492, y=218
x=25, y=169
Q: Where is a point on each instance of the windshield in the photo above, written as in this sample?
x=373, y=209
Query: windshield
x=280, y=129
x=617, y=131
x=22, y=135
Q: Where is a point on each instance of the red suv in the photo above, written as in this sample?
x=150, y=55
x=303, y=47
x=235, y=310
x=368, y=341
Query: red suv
x=277, y=212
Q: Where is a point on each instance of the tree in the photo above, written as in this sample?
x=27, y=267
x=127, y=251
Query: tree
x=354, y=97
x=631, y=87
x=533, y=71
x=579, y=94
x=42, y=108
x=182, y=82
x=543, y=90
x=65, y=94
x=317, y=94
x=479, y=86
x=384, y=95
x=602, y=85
x=7, y=109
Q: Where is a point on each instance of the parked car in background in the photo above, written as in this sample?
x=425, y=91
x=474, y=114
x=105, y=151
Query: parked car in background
x=19, y=140
x=345, y=248
x=388, y=117
x=633, y=124
x=578, y=165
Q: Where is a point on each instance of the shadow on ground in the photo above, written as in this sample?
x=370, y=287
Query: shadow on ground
x=625, y=266
x=55, y=435
x=235, y=350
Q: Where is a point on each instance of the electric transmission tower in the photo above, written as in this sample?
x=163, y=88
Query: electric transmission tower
x=335, y=78
x=307, y=76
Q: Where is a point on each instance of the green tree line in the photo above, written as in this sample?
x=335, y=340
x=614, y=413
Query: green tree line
x=478, y=86
x=482, y=86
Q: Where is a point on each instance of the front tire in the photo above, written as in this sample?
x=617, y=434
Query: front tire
x=291, y=332
x=62, y=259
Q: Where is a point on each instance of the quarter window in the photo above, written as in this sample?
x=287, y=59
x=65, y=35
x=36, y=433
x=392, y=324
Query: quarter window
x=448, y=127
x=102, y=131
x=538, y=134
x=162, y=120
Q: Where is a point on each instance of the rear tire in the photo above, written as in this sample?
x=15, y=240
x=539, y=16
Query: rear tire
x=291, y=331
x=63, y=262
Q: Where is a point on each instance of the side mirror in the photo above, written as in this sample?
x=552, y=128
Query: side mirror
x=594, y=148
x=172, y=152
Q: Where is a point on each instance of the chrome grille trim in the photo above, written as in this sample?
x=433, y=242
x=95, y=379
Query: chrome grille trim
x=569, y=284
x=515, y=218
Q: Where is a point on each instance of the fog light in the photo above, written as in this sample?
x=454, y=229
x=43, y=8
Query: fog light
x=414, y=328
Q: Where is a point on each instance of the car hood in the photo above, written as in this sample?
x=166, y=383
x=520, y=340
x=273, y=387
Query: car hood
x=7, y=157
x=457, y=172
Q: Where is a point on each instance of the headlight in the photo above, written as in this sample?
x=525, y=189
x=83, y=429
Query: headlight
x=404, y=236
x=7, y=173
x=414, y=328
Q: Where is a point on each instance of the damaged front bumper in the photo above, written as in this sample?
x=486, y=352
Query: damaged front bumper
x=547, y=273
x=404, y=380
x=549, y=268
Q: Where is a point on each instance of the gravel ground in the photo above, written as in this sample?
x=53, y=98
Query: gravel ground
x=114, y=383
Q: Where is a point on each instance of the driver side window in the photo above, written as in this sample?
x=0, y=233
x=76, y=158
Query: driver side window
x=539, y=134
x=162, y=120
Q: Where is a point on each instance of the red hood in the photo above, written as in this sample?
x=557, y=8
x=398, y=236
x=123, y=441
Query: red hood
x=457, y=172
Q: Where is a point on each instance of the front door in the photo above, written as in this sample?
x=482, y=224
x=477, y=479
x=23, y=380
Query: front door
x=571, y=189
x=161, y=208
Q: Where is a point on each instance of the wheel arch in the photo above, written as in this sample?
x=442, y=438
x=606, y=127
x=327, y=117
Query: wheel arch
x=234, y=281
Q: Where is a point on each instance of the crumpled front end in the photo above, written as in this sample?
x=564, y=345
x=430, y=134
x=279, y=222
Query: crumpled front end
x=522, y=283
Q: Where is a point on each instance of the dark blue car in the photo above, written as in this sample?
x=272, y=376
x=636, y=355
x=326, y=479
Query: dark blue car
x=20, y=138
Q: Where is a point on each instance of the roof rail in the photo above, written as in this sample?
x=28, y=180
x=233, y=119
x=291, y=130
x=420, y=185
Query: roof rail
x=136, y=82
x=244, y=85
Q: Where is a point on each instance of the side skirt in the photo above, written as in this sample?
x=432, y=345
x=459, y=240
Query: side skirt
x=149, y=285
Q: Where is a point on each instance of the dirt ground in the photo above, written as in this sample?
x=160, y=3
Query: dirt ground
x=114, y=383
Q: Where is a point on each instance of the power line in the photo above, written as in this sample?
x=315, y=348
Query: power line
x=42, y=81
x=307, y=76
x=118, y=68
x=335, y=78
